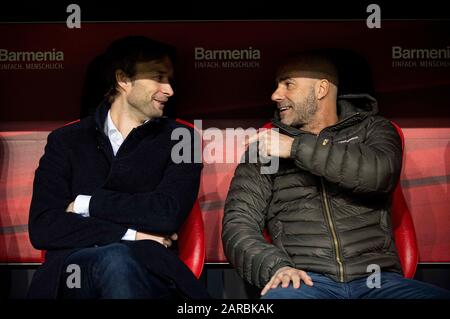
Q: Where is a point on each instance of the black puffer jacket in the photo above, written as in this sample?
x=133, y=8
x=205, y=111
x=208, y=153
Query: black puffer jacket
x=327, y=209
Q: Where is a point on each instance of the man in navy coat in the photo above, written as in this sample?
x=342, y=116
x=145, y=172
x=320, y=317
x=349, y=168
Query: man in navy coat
x=108, y=198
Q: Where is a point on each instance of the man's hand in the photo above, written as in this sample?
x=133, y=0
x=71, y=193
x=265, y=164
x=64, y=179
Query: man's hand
x=70, y=208
x=272, y=143
x=284, y=276
x=163, y=240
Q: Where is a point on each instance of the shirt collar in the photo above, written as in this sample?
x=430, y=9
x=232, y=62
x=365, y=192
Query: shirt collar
x=110, y=128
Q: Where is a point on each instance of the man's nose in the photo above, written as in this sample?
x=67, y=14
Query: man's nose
x=166, y=88
x=277, y=95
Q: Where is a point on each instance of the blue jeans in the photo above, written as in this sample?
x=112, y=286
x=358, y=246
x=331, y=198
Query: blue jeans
x=392, y=286
x=110, y=272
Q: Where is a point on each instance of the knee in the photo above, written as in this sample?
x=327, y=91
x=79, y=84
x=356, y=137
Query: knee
x=116, y=260
x=280, y=293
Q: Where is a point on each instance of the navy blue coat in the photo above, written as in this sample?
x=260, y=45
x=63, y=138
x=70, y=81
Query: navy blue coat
x=139, y=188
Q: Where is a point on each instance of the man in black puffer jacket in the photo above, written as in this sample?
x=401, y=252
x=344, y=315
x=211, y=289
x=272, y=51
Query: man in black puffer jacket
x=327, y=207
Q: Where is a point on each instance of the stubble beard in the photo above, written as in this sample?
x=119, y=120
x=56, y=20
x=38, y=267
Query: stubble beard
x=305, y=110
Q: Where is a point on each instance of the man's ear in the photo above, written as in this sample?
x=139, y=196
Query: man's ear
x=322, y=88
x=123, y=81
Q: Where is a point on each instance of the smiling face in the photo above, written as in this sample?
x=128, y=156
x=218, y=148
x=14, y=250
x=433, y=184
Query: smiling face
x=296, y=99
x=306, y=85
x=150, y=88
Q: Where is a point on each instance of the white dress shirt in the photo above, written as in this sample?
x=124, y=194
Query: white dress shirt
x=81, y=204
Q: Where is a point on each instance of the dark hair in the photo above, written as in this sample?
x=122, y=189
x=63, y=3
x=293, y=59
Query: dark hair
x=123, y=54
x=316, y=63
x=346, y=68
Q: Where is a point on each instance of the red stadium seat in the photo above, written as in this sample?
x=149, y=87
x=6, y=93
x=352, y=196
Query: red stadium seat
x=402, y=223
x=403, y=226
x=191, y=241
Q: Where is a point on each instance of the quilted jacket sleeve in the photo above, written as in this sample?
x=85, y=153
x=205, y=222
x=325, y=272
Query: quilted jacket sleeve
x=370, y=166
x=255, y=259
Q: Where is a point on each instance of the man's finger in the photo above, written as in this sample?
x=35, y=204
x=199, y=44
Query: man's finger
x=276, y=282
x=70, y=208
x=174, y=236
x=307, y=280
x=266, y=287
x=286, y=279
x=167, y=242
x=252, y=139
x=295, y=280
x=256, y=137
x=261, y=147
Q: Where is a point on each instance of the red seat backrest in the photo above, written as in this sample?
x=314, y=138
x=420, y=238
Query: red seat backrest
x=403, y=226
x=191, y=241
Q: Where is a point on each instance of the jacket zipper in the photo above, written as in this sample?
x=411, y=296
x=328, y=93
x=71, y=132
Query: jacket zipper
x=333, y=231
x=325, y=201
